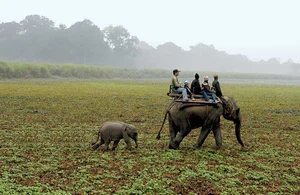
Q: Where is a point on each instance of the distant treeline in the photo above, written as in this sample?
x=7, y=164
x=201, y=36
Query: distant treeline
x=30, y=70
x=37, y=39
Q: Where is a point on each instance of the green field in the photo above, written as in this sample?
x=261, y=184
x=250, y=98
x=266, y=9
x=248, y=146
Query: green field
x=47, y=126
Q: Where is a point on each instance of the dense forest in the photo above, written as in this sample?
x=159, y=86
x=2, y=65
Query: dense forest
x=37, y=39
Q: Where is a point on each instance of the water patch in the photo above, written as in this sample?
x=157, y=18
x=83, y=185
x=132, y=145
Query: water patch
x=290, y=112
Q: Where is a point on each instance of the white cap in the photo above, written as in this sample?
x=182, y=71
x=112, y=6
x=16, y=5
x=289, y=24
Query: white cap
x=206, y=78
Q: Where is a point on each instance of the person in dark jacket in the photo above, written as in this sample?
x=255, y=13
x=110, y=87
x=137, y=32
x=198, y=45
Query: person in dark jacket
x=197, y=89
x=216, y=86
x=207, y=89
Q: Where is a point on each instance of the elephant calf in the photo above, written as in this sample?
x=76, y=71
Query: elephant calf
x=115, y=131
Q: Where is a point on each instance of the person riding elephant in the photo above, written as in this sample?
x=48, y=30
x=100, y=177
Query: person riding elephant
x=176, y=86
x=197, y=89
x=207, y=89
x=183, y=117
x=188, y=90
x=216, y=86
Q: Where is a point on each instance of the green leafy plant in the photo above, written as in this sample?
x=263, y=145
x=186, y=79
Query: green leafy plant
x=47, y=127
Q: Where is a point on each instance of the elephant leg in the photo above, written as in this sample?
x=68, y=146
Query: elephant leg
x=98, y=144
x=106, y=148
x=173, y=130
x=174, y=144
x=217, y=134
x=185, y=130
x=202, y=137
x=127, y=141
x=212, y=120
x=115, y=144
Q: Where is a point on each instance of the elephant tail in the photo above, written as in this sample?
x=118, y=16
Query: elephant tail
x=94, y=144
x=166, y=114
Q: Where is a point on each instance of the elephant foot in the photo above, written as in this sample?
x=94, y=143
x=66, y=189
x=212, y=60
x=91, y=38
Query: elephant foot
x=106, y=149
x=128, y=148
x=95, y=146
x=173, y=146
x=219, y=147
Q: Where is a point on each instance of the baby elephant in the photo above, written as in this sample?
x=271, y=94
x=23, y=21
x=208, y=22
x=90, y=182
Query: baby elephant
x=115, y=131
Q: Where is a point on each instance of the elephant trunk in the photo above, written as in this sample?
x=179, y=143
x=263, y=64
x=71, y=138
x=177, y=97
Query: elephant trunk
x=136, y=142
x=238, y=131
x=234, y=115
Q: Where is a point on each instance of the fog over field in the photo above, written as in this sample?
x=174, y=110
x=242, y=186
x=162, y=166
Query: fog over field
x=221, y=36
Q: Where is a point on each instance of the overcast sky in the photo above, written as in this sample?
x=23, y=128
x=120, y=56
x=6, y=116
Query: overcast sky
x=260, y=29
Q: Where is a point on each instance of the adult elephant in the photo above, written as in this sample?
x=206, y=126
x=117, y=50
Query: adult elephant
x=185, y=116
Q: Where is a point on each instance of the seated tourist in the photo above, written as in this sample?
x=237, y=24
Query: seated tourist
x=207, y=89
x=196, y=89
x=188, y=90
x=176, y=86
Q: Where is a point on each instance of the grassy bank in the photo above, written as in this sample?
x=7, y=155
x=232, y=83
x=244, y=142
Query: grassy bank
x=28, y=70
x=46, y=129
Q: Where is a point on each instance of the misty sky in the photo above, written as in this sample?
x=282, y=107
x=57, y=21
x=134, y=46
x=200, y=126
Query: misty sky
x=260, y=29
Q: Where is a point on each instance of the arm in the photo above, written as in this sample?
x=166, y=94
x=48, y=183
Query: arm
x=175, y=82
x=188, y=90
x=206, y=88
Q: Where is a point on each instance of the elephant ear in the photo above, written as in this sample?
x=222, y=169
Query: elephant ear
x=226, y=98
x=126, y=128
x=228, y=109
x=232, y=110
x=130, y=129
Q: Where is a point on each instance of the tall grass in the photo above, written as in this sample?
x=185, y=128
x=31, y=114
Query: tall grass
x=30, y=70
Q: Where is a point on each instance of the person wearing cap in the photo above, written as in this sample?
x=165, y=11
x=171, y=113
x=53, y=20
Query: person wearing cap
x=196, y=89
x=206, y=87
x=216, y=86
x=188, y=90
x=176, y=86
